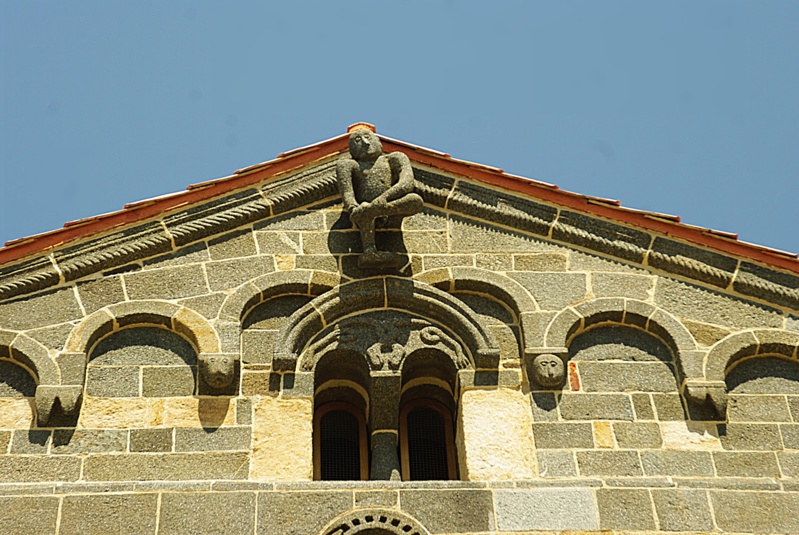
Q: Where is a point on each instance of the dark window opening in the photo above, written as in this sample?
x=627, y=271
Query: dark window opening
x=340, y=449
x=427, y=447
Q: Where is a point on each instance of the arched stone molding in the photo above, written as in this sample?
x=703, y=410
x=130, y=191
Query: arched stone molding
x=574, y=320
x=389, y=293
x=374, y=521
x=51, y=384
x=299, y=281
x=726, y=353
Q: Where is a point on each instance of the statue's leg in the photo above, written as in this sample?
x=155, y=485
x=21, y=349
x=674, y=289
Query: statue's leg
x=407, y=205
x=367, y=229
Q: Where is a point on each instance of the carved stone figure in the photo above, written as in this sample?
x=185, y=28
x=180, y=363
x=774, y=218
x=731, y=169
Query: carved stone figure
x=218, y=371
x=548, y=370
x=375, y=187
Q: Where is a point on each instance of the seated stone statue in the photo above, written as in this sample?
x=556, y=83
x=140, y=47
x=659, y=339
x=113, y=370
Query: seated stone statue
x=375, y=187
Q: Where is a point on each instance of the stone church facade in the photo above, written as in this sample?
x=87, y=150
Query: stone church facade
x=504, y=357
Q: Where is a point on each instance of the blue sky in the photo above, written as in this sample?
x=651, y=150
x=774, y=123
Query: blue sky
x=688, y=108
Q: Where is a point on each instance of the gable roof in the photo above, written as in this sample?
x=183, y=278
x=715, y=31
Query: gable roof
x=666, y=226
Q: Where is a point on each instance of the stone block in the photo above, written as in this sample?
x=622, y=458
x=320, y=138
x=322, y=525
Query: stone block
x=168, y=381
x=28, y=514
x=200, y=412
x=545, y=406
x=625, y=509
x=494, y=262
x=208, y=306
x=595, y=407
x=754, y=408
x=559, y=435
x=40, y=310
x=287, y=242
x=297, y=220
x=260, y=383
x=212, y=439
x=82, y=441
x=53, y=337
x=377, y=498
x=167, y=283
x=668, y=407
x=685, y=435
x=257, y=346
x=470, y=236
x=789, y=463
x=627, y=377
x=682, y=510
x=105, y=514
x=166, y=466
x=737, y=436
x=746, y=464
x=622, y=285
x=225, y=274
x=790, y=436
x=321, y=262
x=545, y=509
x=282, y=442
x=430, y=262
x=451, y=510
x=24, y=469
x=677, y=463
x=192, y=254
x=642, y=403
x=232, y=245
x=556, y=463
x=553, y=291
x=756, y=512
x=5, y=440
x=228, y=513
x=637, y=435
x=244, y=411
x=112, y=381
x=551, y=262
x=30, y=442
x=97, y=293
x=278, y=511
x=699, y=304
x=151, y=440
x=495, y=435
x=72, y=367
x=609, y=463
x=120, y=413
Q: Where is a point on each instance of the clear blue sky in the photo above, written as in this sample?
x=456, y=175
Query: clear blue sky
x=688, y=108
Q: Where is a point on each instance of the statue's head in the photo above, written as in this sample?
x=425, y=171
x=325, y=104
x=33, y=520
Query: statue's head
x=548, y=370
x=218, y=371
x=365, y=145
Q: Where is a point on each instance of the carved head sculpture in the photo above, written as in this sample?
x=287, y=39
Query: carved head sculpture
x=217, y=370
x=548, y=370
x=365, y=145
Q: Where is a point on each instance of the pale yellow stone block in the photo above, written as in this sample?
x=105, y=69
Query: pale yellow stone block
x=603, y=436
x=199, y=328
x=690, y=436
x=495, y=435
x=200, y=412
x=284, y=262
x=16, y=413
x=121, y=413
x=282, y=439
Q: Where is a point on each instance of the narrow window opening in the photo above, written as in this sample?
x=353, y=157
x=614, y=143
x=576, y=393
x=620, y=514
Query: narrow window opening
x=340, y=448
x=427, y=446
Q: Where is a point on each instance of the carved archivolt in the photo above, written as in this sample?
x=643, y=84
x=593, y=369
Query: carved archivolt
x=375, y=521
x=384, y=338
x=417, y=299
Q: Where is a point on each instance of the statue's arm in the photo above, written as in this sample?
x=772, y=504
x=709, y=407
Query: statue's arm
x=344, y=172
x=401, y=165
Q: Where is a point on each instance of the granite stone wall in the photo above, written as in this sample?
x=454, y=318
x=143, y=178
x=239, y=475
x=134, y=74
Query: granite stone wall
x=679, y=411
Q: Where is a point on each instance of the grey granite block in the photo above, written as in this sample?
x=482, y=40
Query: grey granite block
x=545, y=509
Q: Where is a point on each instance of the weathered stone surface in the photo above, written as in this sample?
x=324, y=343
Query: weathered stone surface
x=553, y=291
x=596, y=407
x=495, y=435
x=540, y=262
x=151, y=440
x=70, y=441
x=642, y=403
x=226, y=274
x=167, y=381
x=545, y=509
x=756, y=512
x=40, y=310
x=622, y=285
x=629, y=509
x=139, y=346
x=120, y=413
x=617, y=343
x=627, y=377
x=24, y=469
x=682, y=510
x=30, y=441
x=764, y=375
x=751, y=437
x=167, y=283
x=789, y=463
x=299, y=513
x=469, y=236
x=676, y=463
x=97, y=293
x=15, y=381
x=232, y=245
x=770, y=285
x=28, y=514
x=637, y=435
x=228, y=513
x=683, y=435
x=376, y=498
x=699, y=304
x=16, y=413
x=746, y=464
x=199, y=412
x=113, y=381
x=166, y=466
x=212, y=439
x=556, y=463
x=109, y=514
x=561, y=435
x=694, y=262
x=192, y=254
x=448, y=511
x=668, y=407
x=609, y=463
x=754, y=408
x=207, y=306
x=282, y=447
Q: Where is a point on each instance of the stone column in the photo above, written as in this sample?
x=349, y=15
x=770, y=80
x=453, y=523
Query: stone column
x=384, y=424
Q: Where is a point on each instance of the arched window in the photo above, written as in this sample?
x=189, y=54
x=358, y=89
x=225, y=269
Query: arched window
x=340, y=446
x=427, y=446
